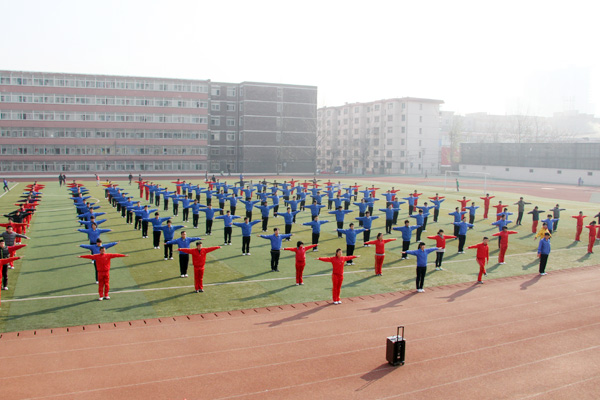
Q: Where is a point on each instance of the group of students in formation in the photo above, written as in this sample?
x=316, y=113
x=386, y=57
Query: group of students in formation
x=293, y=195
x=16, y=227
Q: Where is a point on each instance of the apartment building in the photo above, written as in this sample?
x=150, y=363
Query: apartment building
x=392, y=136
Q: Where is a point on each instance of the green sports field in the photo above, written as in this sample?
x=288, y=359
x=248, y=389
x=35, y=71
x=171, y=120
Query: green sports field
x=52, y=287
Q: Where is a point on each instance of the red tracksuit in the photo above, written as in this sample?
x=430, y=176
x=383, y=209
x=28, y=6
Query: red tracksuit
x=199, y=260
x=103, y=268
x=337, y=277
x=300, y=260
x=592, y=237
x=379, y=253
x=177, y=188
x=499, y=208
x=579, y=219
x=416, y=196
x=486, y=205
x=483, y=256
x=463, y=204
x=503, y=243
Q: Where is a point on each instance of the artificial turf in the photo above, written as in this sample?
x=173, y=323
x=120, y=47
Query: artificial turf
x=52, y=287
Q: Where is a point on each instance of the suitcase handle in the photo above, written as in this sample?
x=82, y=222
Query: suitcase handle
x=398, y=332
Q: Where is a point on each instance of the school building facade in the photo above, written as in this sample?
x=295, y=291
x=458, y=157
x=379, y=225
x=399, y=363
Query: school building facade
x=390, y=136
x=56, y=122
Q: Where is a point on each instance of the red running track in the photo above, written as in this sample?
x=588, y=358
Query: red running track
x=515, y=338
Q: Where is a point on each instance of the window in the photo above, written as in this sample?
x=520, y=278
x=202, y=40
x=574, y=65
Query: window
x=403, y=117
x=230, y=107
x=507, y=169
x=230, y=122
x=388, y=153
x=231, y=92
x=420, y=143
x=389, y=142
x=390, y=129
x=231, y=137
x=215, y=91
x=215, y=121
x=376, y=119
x=390, y=118
x=214, y=151
x=402, y=142
x=420, y=131
x=376, y=107
x=356, y=120
x=558, y=171
x=420, y=106
x=390, y=106
x=215, y=136
x=531, y=170
x=231, y=151
x=403, y=129
x=420, y=118
x=215, y=106
x=590, y=173
x=279, y=107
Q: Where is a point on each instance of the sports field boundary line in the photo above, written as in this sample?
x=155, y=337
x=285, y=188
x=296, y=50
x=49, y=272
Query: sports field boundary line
x=13, y=186
x=240, y=282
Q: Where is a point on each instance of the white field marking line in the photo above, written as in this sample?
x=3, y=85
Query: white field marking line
x=342, y=377
x=562, y=387
x=9, y=189
x=437, y=319
x=205, y=353
x=246, y=281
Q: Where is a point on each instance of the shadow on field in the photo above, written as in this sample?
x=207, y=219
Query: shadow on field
x=390, y=304
x=269, y=293
x=493, y=267
x=375, y=375
x=583, y=258
x=295, y=317
x=528, y=236
x=152, y=303
x=525, y=285
x=358, y=282
x=460, y=293
x=575, y=243
x=531, y=264
x=62, y=307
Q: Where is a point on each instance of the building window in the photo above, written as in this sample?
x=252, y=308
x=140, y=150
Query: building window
x=215, y=121
x=376, y=119
x=231, y=137
x=420, y=131
x=390, y=129
x=215, y=136
x=420, y=143
x=590, y=173
x=558, y=171
x=230, y=107
x=215, y=106
x=356, y=120
x=230, y=122
x=231, y=151
x=403, y=117
x=531, y=170
x=390, y=141
x=231, y=92
x=420, y=106
x=279, y=107
x=214, y=151
x=420, y=118
x=215, y=91
x=507, y=169
x=390, y=118
x=402, y=142
x=376, y=107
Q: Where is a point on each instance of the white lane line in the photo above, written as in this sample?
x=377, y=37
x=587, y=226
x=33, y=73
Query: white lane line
x=241, y=282
x=9, y=189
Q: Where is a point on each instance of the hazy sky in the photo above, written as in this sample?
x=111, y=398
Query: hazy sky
x=474, y=55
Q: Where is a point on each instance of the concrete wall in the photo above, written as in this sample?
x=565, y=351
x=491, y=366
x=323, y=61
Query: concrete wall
x=550, y=175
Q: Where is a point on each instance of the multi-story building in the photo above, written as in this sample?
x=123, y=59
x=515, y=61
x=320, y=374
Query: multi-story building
x=89, y=123
x=393, y=136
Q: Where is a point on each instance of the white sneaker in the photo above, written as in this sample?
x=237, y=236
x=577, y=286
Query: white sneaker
x=502, y=263
x=186, y=275
x=101, y=298
x=243, y=254
x=96, y=282
x=106, y=297
x=170, y=258
x=182, y=276
x=5, y=288
x=247, y=254
x=543, y=273
x=165, y=258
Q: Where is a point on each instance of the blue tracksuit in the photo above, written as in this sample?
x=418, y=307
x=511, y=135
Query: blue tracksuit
x=501, y=223
x=457, y=215
x=169, y=232
x=406, y=231
x=462, y=227
x=288, y=218
x=227, y=219
x=544, y=247
x=93, y=235
x=210, y=212
x=316, y=225
x=389, y=212
x=276, y=240
x=339, y=214
x=366, y=221
x=421, y=255
x=351, y=235
x=95, y=248
x=157, y=222
x=184, y=243
x=246, y=227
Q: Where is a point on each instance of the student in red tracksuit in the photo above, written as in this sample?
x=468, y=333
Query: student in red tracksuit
x=503, y=242
x=499, y=208
x=486, y=204
x=579, y=219
x=592, y=236
x=440, y=243
x=337, y=276
x=483, y=257
x=379, y=251
x=199, y=260
x=103, y=266
x=300, y=251
x=463, y=203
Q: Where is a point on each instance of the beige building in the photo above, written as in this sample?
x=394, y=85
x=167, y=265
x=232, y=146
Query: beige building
x=392, y=136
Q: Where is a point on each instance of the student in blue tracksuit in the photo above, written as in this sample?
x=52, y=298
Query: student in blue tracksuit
x=551, y=223
x=185, y=205
x=419, y=218
x=339, y=218
x=228, y=220
x=210, y=215
x=411, y=203
x=471, y=210
x=367, y=222
x=246, y=227
x=156, y=231
x=276, y=240
x=293, y=204
x=371, y=203
x=315, y=208
x=315, y=224
x=249, y=206
x=389, y=217
x=463, y=226
x=264, y=212
x=396, y=204
x=457, y=214
x=426, y=214
x=184, y=259
x=144, y=218
x=94, y=233
x=93, y=220
x=421, y=253
x=350, y=239
x=275, y=199
x=543, y=252
x=288, y=219
x=168, y=233
x=436, y=211
x=195, y=207
x=406, y=235
x=362, y=208
x=233, y=200
x=501, y=223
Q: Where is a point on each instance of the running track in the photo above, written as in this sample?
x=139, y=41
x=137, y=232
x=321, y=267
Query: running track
x=515, y=338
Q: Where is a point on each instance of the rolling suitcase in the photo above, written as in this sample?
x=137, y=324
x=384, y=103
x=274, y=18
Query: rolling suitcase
x=396, y=348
